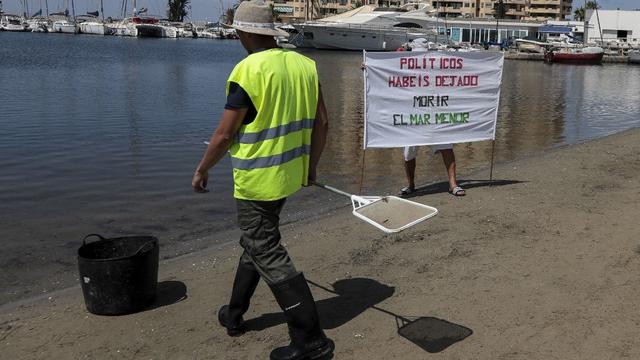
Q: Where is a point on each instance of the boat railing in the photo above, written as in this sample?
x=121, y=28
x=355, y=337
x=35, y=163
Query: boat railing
x=368, y=27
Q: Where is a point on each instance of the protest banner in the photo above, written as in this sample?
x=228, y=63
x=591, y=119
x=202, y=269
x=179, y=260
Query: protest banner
x=428, y=97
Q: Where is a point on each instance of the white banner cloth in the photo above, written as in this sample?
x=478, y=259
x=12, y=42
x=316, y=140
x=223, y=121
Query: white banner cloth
x=429, y=97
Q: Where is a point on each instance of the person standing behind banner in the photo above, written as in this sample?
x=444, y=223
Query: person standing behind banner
x=448, y=157
x=274, y=126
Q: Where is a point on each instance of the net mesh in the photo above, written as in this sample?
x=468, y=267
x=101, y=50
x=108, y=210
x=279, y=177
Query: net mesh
x=395, y=213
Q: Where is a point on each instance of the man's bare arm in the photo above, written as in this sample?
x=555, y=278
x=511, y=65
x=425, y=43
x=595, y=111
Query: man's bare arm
x=318, y=136
x=220, y=142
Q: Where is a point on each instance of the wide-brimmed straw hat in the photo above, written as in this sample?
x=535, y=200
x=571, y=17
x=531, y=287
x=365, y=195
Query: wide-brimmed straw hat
x=255, y=17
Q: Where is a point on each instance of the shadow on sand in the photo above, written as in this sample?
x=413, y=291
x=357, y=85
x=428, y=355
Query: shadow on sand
x=356, y=295
x=443, y=186
x=168, y=293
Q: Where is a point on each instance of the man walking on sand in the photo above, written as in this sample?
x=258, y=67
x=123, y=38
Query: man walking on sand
x=274, y=126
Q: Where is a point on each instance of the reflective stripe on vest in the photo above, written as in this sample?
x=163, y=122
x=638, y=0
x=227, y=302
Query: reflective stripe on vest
x=268, y=161
x=272, y=133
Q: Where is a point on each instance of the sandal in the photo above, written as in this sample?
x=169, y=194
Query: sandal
x=457, y=191
x=407, y=191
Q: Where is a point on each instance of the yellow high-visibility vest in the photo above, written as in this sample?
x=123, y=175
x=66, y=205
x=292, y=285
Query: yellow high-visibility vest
x=270, y=156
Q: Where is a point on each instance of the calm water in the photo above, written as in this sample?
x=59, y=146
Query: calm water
x=102, y=134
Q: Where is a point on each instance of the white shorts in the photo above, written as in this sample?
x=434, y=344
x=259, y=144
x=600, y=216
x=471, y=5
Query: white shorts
x=411, y=151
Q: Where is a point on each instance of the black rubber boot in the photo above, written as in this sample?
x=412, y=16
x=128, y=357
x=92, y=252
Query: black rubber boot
x=307, y=339
x=244, y=285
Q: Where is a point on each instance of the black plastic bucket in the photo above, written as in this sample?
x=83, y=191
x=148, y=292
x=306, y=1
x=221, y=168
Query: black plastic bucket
x=118, y=275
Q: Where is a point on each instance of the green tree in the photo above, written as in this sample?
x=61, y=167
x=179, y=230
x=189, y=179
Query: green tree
x=178, y=9
x=579, y=13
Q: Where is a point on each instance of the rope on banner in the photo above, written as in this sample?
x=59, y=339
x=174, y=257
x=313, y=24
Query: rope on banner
x=493, y=147
x=364, y=152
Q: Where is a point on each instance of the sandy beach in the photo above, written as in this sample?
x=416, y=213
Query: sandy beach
x=544, y=264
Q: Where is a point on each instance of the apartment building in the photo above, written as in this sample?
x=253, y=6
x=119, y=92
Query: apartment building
x=513, y=9
x=548, y=9
x=290, y=10
x=299, y=10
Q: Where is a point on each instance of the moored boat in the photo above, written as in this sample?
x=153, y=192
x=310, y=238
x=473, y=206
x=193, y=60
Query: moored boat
x=10, y=22
x=65, y=26
x=91, y=24
x=634, y=57
x=576, y=55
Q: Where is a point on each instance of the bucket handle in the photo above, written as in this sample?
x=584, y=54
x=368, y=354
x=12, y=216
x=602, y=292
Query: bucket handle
x=84, y=241
x=145, y=247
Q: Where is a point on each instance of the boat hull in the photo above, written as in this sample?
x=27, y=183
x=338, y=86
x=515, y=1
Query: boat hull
x=14, y=28
x=574, y=58
x=150, y=30
x=337, y=38
x=92, y=28
x=64, y=27
x=634, y=57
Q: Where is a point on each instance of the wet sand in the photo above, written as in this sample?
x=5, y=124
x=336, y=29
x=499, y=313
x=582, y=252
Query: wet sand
x=542, y=265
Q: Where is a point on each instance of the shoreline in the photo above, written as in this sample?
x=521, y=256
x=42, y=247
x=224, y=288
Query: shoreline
x=232, y=234
x=545, y=261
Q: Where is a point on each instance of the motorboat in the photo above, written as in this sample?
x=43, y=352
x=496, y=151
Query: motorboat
x=364, y=28
x=148, y=26
x=65, y=26
x=92, y=25
x=40, y=24
x=126, y=27
x=10, y=22
x=634, y=56
x=575, y=55
x=530, y=46
x=152, y=27
x=209, y=32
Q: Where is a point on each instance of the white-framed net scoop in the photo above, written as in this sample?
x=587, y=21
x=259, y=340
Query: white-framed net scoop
x=388, y=213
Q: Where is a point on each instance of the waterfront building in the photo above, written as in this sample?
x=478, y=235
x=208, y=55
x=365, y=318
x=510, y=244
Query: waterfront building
x=300, y=10
x=536, y=10
x=548, y=9
x=614, y=25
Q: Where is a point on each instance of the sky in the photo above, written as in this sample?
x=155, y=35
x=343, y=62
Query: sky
x=207, y=9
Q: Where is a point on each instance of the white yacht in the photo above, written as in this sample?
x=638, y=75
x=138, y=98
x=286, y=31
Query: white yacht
x=10, y=22
x=152, y=27
x=126, y=27
x=92, y=25
x=367, y=27
x=41, y=25
x=65, y=26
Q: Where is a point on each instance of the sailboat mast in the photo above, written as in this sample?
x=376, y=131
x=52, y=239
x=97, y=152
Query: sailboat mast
x=46, y=5
x=585, y=33
x=102, y=10
x=598, y=17
x=73, y=11
x=437, y=18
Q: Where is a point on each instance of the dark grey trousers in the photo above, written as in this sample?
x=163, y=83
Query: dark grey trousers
x=259, y=222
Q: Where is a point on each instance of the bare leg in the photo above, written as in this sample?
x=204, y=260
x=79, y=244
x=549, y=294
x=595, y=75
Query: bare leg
x=449, y=159
x=410, y=172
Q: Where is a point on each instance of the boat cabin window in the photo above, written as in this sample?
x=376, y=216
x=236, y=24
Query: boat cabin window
x=408, y=25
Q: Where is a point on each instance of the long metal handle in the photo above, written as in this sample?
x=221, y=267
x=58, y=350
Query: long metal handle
x=332, y=189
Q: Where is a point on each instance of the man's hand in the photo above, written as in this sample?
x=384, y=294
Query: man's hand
x=199, y=181
x=218, y=145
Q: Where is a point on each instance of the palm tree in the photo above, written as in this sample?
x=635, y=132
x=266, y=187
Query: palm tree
x=178, y=9
x=579, y=13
